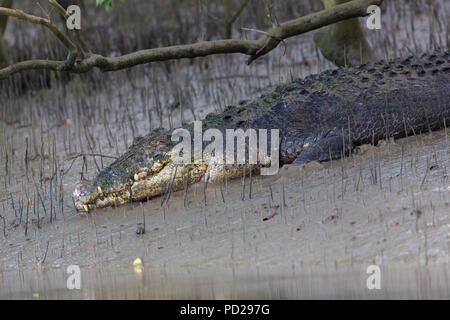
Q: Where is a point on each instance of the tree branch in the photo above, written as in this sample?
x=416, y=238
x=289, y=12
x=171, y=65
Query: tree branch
x=76, y=33
x=229, y=20
x=19, y=14
x=253, y=48
x=239, y=11
x=59, y=8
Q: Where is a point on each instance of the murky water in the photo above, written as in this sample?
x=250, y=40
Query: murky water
x=307, y=233
x=404, y=282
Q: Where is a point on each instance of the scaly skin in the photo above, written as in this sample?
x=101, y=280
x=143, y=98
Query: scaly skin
x=320, y=118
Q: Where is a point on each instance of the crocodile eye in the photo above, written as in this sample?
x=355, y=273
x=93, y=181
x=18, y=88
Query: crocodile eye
x=153, y=143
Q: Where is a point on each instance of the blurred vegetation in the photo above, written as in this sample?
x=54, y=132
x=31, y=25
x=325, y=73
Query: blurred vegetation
x=344, y=43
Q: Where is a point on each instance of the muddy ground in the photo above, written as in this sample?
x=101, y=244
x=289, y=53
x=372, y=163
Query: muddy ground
x=305, y=233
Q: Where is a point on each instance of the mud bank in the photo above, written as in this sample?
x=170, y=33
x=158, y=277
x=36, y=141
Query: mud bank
x=320, y=227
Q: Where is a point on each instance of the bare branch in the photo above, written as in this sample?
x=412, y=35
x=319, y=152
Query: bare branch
x=253, y=48
x=19, y=14
x=60, y=9
x=239, y=11
x=229, y=20
x=76, y=33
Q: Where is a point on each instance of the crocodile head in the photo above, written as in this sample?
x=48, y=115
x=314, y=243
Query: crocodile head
x=146, y=170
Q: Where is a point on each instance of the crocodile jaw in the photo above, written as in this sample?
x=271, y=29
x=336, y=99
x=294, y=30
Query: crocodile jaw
x=87, y=197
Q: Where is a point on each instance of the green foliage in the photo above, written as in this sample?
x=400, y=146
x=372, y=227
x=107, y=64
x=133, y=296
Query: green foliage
x=107, y=3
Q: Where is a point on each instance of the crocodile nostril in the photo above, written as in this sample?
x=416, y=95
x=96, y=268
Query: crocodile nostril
x=81, y=189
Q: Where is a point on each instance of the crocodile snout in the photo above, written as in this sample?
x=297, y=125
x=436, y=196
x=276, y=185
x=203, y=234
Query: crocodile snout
x=84, y=194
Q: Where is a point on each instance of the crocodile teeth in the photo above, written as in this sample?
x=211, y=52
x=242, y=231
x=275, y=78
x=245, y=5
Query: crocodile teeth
x=140, y=176
x=157, y=166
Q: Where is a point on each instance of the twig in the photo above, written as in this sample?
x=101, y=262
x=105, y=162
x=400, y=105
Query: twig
x=74, y=156
x=76, y=32
x=19, y=14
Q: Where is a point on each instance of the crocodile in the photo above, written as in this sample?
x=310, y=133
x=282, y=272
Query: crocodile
x=321, y=117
